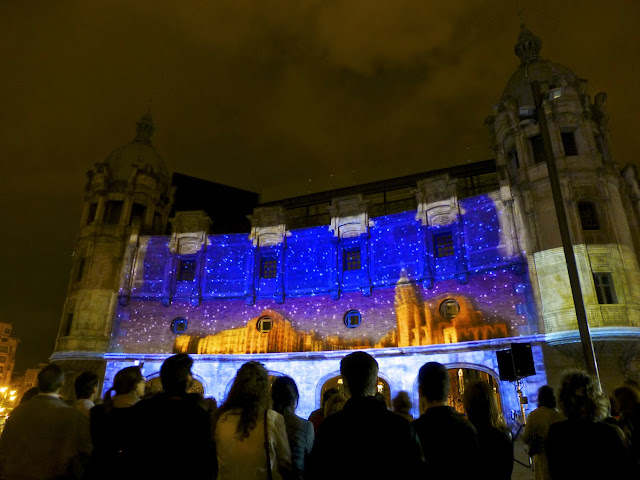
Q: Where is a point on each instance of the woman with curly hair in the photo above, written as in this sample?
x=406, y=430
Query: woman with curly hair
x=496, y=447
x=251, y=439
x=583, y=446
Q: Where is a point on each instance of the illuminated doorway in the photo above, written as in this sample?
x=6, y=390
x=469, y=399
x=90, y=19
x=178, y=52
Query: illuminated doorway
x=460, y=377
x=336, y=382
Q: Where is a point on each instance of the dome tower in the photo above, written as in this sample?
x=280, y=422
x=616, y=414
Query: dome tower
x=598, y=210
x=126, y=196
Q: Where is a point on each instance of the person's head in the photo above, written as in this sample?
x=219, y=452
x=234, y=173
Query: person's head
x=628, y=399
x=402, y=402
x=175, y=374
x=129, y=380
x=359, y=372
x=28, y=395
x=334, y=404
x=580, y=397
x=433, y=382
x=328, y=393
x=86, y=385
x=481, y=405
x=250, y=394
x=50, y=379
x=284, y=393
x=546, y=397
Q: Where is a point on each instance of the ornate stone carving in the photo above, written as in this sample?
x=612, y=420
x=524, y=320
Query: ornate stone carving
x=349, y=216
x=190, y=230
x=268, y=226
x=437, y=201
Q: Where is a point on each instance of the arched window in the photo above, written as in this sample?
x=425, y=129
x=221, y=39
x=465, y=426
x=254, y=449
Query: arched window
x=588, y=215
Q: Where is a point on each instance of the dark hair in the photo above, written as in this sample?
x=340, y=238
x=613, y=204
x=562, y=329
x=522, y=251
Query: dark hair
x=28, y=395
x=50, y=378
x=84, y=384
x=481, y=405
x=359, y=371
x=546, y=397
x=284, y=393
x=402, y=402
x=334, y=404
x=433, y=382
x=580, y=397
x=328, y=393
x=628, y=399
x=125, y=381
x=175, y=373
x=250, y=394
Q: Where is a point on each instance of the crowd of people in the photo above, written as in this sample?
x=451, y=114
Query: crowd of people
x=255, y=433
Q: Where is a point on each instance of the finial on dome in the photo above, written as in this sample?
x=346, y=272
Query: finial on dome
x=144, y=128
x=528, y=46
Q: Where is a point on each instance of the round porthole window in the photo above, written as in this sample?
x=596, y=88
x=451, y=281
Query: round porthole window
x=265, y=324
x=352, y=319
x=179, y=325
x=449, y=309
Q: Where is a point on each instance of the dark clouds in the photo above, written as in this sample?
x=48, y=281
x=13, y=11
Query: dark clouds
x=281, y=97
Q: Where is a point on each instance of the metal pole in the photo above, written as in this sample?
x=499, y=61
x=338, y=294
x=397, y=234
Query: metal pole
x=567, y=245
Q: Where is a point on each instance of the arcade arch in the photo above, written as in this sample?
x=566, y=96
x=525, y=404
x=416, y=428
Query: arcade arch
x=459, y=376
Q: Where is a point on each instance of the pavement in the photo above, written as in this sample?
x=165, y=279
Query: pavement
x=521, y=472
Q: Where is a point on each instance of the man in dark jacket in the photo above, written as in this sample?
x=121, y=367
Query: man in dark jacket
x=364, y=439
x=44, y=438
x=449, y=440
x=174, y=428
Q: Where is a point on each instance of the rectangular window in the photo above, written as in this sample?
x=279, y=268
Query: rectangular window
x=4, y=339
x=7, y=330
x=3, y=359
x=569, y=144
x=443, y=245
x=604, y=288
x=269, y=267
x=513, y=158
x=187, y=270
x=588, y=216
x=537, y=147
x=113, y=212
x=4, y=349
x=138, y=211
x=93, y=208
x=67, y=326
x=351, y=259
x=1, y=369
x=80, y=270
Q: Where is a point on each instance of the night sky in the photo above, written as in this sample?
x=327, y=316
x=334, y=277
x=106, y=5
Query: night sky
x=279, y=97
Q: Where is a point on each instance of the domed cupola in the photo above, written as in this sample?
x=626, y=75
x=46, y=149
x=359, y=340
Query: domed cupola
x=139, y=154
x=533, y=67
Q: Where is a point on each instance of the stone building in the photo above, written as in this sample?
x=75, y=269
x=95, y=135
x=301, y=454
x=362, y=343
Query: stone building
x=449, y=265
x=8, y=347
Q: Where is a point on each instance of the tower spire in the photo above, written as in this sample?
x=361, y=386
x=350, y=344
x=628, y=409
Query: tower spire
x=144, y=128
x=528, y=46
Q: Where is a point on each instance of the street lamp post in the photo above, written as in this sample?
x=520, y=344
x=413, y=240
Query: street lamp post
x=565, y=234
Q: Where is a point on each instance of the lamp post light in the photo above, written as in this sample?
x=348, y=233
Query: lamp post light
x=565, y=234
x=7, y=401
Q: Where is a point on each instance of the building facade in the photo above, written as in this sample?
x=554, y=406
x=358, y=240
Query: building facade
x=450, y=265
x=8, y=347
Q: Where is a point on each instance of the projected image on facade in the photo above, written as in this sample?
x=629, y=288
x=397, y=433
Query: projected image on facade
x=444, y=279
